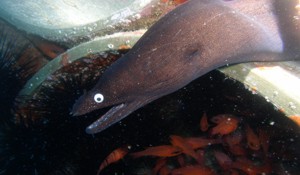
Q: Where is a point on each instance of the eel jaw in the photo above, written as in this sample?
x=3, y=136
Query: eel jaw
x=114, y=115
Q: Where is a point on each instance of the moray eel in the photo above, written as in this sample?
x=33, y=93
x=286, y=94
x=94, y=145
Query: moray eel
x=193, y=39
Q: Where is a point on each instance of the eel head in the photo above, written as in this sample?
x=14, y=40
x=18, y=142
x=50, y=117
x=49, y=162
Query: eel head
x=121, y=103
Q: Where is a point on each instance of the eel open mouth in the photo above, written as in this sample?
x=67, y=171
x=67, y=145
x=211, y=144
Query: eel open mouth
x=114, y=115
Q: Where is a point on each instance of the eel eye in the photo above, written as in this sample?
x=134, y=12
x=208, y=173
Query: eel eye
x=99, y=98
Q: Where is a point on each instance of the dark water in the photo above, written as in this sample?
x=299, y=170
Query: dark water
x=41, y=137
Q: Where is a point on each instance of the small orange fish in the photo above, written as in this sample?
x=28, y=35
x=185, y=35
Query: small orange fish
x=252, y=138
x=193, y=170
x=185, y=147
x=113, y=157
x=124, y=47
x=226, y=124
x=296, y=119
x=198, y=142
x=233, y=138
x=221, y=118
x=158, y=151
x=250, y=168
x=223, y=159
x=204, y=123
x=237, y=150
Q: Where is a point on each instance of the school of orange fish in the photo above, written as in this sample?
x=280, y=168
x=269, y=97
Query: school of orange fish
x=231, y=144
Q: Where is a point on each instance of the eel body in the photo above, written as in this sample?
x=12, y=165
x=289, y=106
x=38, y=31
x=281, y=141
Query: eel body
x=193, y=39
